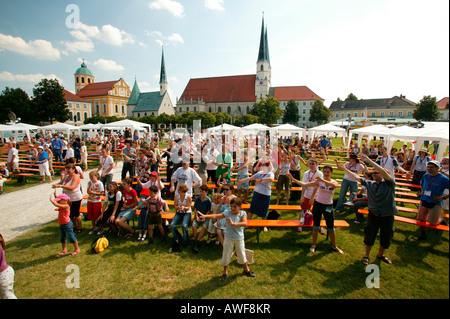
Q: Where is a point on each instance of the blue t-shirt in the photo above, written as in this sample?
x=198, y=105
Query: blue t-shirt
x=233, y=232
x=42, y=157
x=436, y=184
x=202, y=206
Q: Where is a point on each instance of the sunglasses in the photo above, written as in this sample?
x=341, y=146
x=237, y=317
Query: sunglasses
x=226, y=189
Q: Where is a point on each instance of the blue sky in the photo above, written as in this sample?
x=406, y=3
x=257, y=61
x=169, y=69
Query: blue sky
x=372, y=48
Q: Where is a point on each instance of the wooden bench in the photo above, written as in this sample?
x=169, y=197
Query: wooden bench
x=259, y=223
x=411, y=221
x=26, y=176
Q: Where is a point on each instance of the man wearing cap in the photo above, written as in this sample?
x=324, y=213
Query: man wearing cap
x=43, y=164
x=57, y=146
x=433, y=184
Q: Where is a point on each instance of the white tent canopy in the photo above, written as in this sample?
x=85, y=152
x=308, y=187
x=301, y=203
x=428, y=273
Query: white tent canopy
x=327, y=129
x=255, y=129
x=288, y=130
x=226, y=128
x=61, y=127
x=121, y=125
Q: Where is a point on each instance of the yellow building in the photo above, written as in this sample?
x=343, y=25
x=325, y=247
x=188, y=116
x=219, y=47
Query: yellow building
x=79, y=108
x=107, y=98
x=379, y=111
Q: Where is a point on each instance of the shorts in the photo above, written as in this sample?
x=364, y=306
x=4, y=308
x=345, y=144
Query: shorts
x=306, y=205
x=128, y=213
x=154, y=218
x=432, y=215
x=94, y=209
x=283, y=182
x=198, y=224
x=377, y=223
x=75, y=209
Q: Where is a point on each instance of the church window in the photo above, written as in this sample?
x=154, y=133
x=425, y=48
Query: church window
x=210, y=109
x=85, y=116
x=77, y=80
x=89, y=80
x=123, y=109
x=104, y=108
x=219, y=110
x=229, y=110
x=262, y=67
x=82, y=79
x=117, y=108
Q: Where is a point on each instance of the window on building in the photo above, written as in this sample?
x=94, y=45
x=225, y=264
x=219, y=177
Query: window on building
x=262, y=67
x=382, y=114
x=104, y=108
x=410, y=113
x=78, y=80
x=97, y=108
x=78, y=116
x=373, y=114
x=219, y=110
x=85, y=116
x=400, y=113
x=82, y=79
x=304, y=111
x=229, y=110
x=391, y=113
x=355, y=114
x=123, y=109
x=77, y=105
x=117, y=108
x=89, y=80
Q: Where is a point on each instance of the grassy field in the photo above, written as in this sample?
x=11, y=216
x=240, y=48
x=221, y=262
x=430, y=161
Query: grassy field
x=284, y=267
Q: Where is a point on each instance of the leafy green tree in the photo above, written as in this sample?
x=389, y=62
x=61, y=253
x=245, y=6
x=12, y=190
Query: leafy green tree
x=268, y=110
x=351, y=97
x=246, y=119
x=222, y=118
x=48, y=102
x=291, y=115
x=319, y=113
x=18, y=102
x=426, y=110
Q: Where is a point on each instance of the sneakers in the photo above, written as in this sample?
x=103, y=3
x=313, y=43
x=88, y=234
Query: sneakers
x=250, y=274
x=224, y=277
x=92, y=231
x=101, y=232
x=351, y=204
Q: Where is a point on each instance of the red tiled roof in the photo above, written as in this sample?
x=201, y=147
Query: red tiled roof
x=296, y=93
x=443, y=104
x=239, y=88
x=69, y=96
x=97, y=89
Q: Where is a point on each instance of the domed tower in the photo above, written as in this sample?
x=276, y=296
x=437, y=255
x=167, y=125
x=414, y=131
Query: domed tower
x=83, y=77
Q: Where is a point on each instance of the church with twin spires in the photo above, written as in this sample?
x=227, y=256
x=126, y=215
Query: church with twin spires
x=236, y=94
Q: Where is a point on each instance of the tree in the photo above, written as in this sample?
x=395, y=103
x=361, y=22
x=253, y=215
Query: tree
x=319, y=113
x=246, y=119
x=16, y=101
x=426, y=110
x=48, y=102
x=291, y=115
x=268, y=110
x=351, y=97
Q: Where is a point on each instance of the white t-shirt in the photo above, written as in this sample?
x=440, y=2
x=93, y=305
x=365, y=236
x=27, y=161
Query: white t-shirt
x=97, y=188
x=308, y=177
x=188, y=177
x=354, y=168
x=325, y=194
x=106, y=164
x=159, y=184
x=11, y=153
x=390, y=163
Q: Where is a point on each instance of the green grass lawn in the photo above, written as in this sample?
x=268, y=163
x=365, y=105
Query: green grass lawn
x=284, y=267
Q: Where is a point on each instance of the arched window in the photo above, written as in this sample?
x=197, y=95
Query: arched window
x=219, y=110
x=262, y=67
x=229, y=110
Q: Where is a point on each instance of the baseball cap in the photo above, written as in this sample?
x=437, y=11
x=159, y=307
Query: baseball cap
x=145, y=192
x=62, y=197
x=154, y=174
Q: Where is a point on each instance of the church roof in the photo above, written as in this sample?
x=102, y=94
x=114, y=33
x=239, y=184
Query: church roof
x=149, y=102
x=238, y=88
x=134, y=97
x=263, y=53
x=70, y=97
x=83, y=70
x=97, y=89
x=296, y=93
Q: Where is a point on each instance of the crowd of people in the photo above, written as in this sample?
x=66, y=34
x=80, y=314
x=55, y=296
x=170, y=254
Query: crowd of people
x=192, y=162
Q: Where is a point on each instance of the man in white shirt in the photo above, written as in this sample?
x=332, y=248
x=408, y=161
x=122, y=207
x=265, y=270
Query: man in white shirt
x=185, y=175
x=389, y=162
x=12, y=162
x=106, y=166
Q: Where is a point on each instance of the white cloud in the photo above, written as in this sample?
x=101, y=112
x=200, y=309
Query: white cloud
x=108, y=65
x=173, y=7
x=214, y=5
x=175, y=38
x=144, y=86
x=161, y=39
x=85, y=34
x=40, y=49
x=114, y=36
x=34, y=78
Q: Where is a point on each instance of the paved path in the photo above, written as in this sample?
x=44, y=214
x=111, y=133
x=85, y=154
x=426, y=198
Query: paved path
x=29, y=208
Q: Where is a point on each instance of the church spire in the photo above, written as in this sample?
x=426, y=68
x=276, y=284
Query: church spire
x=263, y=55
x=163, y=78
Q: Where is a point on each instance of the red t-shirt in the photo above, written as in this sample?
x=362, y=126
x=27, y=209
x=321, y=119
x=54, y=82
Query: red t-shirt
x=129, y=196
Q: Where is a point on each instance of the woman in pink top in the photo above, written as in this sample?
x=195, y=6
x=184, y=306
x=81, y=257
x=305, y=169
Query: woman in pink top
x=6, y=275
x=323, y=205
x=62, y=202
